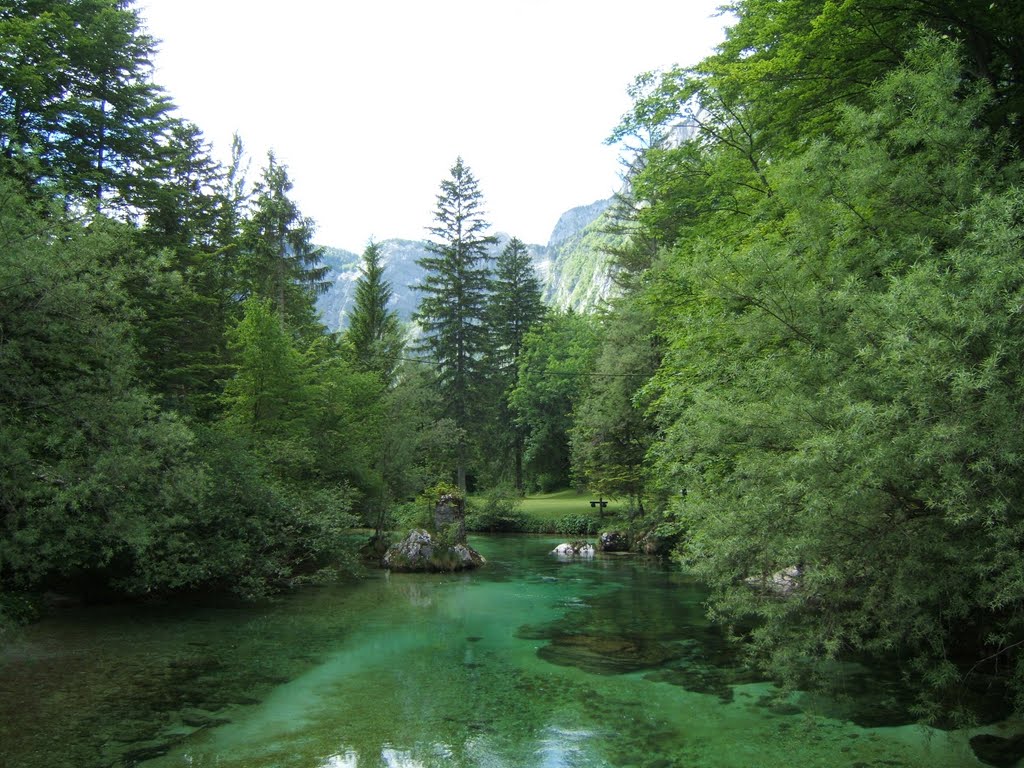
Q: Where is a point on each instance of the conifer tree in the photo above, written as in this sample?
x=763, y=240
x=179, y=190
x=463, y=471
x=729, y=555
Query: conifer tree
x=374, y=333
x=278, y=260
x=515, y=304
x=455, y=290
x=514, y=308
x=78, y=111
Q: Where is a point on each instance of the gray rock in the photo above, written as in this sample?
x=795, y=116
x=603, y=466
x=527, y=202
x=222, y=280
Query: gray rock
x=574, y=549
x=450, y=515
x=417, y=552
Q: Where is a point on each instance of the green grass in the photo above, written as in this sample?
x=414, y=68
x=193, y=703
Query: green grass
x=550, y=506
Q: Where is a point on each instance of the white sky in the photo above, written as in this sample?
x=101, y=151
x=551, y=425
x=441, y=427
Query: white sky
x=370, y=103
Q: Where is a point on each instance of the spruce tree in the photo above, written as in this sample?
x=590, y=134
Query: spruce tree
x=374, y=333
x=79, y=114
x=516, y=303
x=455, y=291
x=278, y=260
x=514, y=308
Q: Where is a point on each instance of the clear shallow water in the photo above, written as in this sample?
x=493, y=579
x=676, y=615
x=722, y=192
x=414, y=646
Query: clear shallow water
x=528, y=662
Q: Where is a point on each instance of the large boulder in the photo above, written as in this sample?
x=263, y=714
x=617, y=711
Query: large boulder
x=417, y=552
x=613, y=541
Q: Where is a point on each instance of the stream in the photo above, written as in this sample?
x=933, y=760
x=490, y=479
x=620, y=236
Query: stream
x=528, y=662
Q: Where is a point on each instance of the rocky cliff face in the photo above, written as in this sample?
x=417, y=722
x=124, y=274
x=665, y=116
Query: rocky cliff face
x=573, y=268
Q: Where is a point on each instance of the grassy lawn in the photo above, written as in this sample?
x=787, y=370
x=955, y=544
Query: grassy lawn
x=551, y=506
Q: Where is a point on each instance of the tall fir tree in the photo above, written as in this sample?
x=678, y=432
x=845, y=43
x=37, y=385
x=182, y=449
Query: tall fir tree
x=515, y=306
x=516, y=303
x=455, y=291
x=79, y=115
x=278, y=259
x=374, y=334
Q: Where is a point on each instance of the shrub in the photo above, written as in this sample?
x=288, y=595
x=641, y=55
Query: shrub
x=497, y=512
x=577, y=525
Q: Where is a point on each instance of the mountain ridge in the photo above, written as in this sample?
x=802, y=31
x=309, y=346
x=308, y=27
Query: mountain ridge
x=574, y=267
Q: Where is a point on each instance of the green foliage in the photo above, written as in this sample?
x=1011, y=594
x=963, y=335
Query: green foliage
x=841, y=388
x=417, y=442
x=172, y=415
x=611, y=432
x=277, y=260
x=408, y=515
x=374, y=332
x=16, y=609
x=270, y=386
x=498, y=511
x=557, y=358
x=514, y=307
x=577, y=525
x=454, y=303
x=90, y=470
x=257, y=533
x=78, y=113
x=439, y=490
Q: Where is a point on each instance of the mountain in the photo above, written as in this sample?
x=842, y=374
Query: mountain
x=575, y=265
x=574, y=270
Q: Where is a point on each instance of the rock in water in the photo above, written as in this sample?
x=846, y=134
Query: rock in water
x=574, y=549
x=417, y=552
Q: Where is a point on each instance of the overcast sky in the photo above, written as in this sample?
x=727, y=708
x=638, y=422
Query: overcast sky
x=370, y=103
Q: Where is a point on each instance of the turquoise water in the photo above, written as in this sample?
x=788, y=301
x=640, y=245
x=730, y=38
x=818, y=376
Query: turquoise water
x=529, y=662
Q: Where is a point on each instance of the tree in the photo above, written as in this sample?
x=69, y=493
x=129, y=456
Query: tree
x=453, y=307
x=92, y=475
x=186, y=294
x=277, y=258
x=515, y=304
x=842, y=389
x=556, y=361
x=611, y=431
x=78, y=113
x=374, y=332
x=514, y=307
x=267, y=393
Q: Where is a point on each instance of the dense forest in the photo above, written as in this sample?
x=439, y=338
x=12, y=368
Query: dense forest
x=814, y=367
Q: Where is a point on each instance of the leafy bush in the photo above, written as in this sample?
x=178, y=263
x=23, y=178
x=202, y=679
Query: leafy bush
x=577, y=525
x=497, y=512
